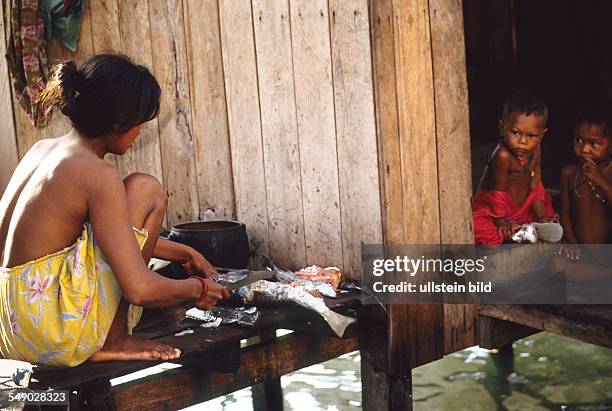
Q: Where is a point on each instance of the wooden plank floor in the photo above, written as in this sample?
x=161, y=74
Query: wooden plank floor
x=195, y=346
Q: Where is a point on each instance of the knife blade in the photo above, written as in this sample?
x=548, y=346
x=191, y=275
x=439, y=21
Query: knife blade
x=253, y=276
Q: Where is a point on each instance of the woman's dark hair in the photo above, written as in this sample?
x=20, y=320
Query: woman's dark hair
x=106, y=93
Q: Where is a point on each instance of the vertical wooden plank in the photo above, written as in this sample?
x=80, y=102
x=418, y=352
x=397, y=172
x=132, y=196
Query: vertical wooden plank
x=175, y=125
x=105, y=26
x=387, y=122
x=454, y=167
x=356, y=132
x=418, y=330
x=105, y=35
x=208, y=106
x=135, y=34
x=8, y=140
x=314, y=98
x=417, y=122
x=279, y=132
x=238, y=46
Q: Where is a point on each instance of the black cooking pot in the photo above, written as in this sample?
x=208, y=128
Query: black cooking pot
x=223, y=243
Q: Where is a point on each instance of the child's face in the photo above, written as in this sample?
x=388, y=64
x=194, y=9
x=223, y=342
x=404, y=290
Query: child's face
x=591, y=143
x=522, y=133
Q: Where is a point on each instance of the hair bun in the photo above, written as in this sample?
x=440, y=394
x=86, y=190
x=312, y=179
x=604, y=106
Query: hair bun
x=70, y=78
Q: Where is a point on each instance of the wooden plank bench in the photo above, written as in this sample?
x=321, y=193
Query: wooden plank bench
x=214, y=362
x=501, y=324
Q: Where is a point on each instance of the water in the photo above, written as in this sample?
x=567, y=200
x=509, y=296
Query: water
x=546, y=372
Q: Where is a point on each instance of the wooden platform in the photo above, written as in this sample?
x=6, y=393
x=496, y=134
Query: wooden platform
x=213, y=361
x=588, y=323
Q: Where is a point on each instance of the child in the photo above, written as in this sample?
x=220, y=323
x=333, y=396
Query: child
x=71, y=257
x=510, y=192
x=586, y=195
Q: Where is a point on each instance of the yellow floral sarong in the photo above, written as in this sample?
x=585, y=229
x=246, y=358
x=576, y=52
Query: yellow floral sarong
x=57, y=310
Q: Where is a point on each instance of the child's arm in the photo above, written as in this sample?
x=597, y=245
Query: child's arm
x=567, y=174
x=594, y=175
x=538, y=206
x=501, y=166
x=567, y=177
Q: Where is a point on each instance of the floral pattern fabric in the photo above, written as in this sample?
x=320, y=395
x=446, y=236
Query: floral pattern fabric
x=57, y=310
x=26, y=53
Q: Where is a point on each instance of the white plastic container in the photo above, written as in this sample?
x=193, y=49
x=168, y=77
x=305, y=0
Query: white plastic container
x=13, y=374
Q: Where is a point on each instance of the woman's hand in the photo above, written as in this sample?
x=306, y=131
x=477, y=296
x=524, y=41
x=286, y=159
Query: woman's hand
x=215, y=293
x=197, y=264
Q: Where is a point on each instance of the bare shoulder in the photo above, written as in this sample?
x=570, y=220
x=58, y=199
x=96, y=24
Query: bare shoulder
x=502, y=156
x=569, y=171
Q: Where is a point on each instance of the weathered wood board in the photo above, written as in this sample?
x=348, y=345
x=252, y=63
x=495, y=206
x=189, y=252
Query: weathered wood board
x=243, y=109
x=314, y=101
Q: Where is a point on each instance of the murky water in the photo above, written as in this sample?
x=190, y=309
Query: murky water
x=545, y=372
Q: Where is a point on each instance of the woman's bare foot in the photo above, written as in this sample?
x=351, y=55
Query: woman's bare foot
x=128, y=348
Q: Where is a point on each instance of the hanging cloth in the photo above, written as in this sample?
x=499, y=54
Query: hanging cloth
x=26, y=54
x=64, y=25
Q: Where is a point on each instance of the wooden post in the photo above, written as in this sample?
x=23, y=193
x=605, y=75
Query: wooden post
x=422, y=120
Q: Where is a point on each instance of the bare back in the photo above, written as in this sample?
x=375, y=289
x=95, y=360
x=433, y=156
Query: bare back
x=45, y=204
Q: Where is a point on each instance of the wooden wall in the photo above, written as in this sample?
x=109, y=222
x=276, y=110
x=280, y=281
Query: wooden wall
x=267, y=117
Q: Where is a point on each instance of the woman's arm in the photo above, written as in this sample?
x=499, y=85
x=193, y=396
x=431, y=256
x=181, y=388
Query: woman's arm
x=109, y=217
x=193, y=261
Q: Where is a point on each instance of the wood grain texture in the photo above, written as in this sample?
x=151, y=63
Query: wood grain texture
x=175, y=124
x=8, y=139
x=387, y=122
x=238, y=46
x=454, y=158
x=314, y=99
x=209, y=113
x=106, y=36
x=105, y=26
x=279, y=132
x=356, y=132
x=417, y=122
x=269, y=360
x=135, y=40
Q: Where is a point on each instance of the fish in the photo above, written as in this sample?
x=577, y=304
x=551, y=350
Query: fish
x=331, y=275
x=267, y=292
x=288, y=277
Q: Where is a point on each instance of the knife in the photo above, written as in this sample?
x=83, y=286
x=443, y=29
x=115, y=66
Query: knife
x=251, y=278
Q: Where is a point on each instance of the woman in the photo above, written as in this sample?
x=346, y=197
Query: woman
x=61, y=308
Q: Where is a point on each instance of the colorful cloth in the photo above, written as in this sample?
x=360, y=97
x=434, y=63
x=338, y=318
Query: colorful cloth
x=57, y=310
x=26, y=54
x=490, y=204
x=65, y=28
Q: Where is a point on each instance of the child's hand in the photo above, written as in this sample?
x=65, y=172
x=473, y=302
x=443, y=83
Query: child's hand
x=592, y=172
x=545, y=219
x=505, y=228
x=573, y=252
